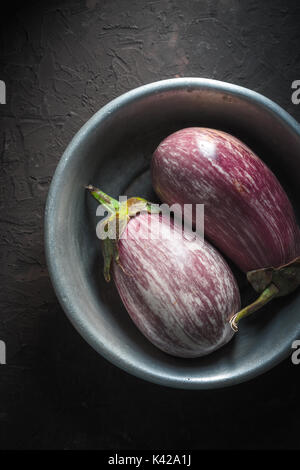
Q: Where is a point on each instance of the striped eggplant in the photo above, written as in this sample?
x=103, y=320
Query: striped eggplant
x=178, y=291
x=247, y=214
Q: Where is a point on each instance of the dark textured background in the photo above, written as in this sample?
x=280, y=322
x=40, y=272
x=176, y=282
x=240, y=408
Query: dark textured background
x=63, y=60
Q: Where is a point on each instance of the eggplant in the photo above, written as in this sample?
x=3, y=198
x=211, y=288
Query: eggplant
x=179, y=291
x=247, y=214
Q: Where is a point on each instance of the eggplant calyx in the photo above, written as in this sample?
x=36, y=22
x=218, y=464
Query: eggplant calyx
x=268, y=294
x=285, y=277
x=270, y=283
x=113, y=226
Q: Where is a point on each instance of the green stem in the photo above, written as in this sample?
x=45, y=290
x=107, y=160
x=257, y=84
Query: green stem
x=268, y=294
x=110, y=204
x=120, y=215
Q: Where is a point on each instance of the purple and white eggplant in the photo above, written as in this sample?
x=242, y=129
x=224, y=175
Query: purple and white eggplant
x=179, y=292
x=247, y=214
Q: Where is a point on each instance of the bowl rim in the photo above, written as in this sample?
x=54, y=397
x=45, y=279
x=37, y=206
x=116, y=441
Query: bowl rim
x=86, y=330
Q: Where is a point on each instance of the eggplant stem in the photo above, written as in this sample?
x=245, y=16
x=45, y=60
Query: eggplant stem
x=120, y=214
x=110, y=204
x=267, y=295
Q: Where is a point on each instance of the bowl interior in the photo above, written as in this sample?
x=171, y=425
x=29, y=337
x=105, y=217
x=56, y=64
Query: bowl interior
x=113, y=151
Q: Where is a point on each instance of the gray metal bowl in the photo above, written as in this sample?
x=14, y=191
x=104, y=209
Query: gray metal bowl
x=113, y=151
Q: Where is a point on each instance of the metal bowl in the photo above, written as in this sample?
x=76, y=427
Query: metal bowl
x=113, y=151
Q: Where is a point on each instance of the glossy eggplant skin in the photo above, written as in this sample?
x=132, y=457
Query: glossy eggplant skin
x=247, y=214
x=180, y=293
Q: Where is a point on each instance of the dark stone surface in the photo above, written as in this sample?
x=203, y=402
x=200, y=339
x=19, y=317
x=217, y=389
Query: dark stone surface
x=61, y=61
